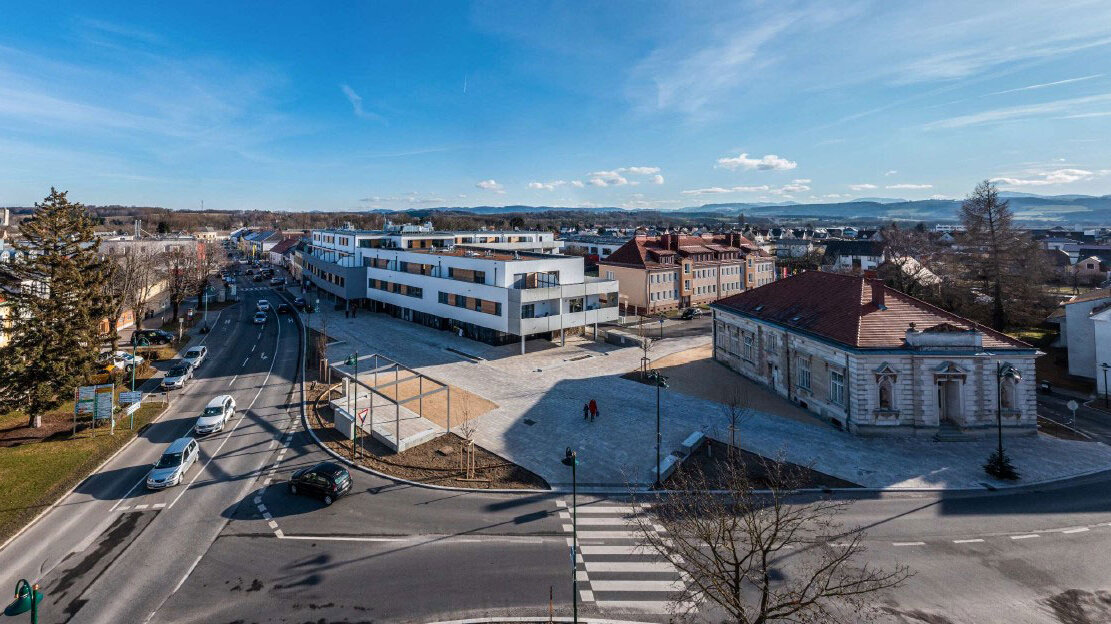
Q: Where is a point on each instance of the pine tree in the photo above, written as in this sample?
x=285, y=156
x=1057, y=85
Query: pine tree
x=53, y=287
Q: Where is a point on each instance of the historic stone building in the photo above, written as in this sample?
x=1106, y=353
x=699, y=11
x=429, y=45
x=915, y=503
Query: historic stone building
x=876, y=361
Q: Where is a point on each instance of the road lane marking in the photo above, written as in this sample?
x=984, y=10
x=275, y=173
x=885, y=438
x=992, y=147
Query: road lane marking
x=968, y=541
x=331, y=538
x=1076, y=530
x=908, y=543
x=245, y=361
x=631, y=566
x=233, y=379
x=1028, y=536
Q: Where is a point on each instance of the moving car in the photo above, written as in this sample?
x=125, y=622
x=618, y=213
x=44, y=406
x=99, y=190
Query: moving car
x=176, y=377
x=216, y=414
x=263, y=305
x=284, y=308
x=121, y=360
x=176, y=460
x=326, y=481
x=300, y=302
x=195, y=355
x=690, y=313
x=152, y=336
x=277, y=281
x=258, y=278
x=260, y=318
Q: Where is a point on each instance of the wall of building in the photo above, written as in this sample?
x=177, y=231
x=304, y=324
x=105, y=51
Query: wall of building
x=1081, y=337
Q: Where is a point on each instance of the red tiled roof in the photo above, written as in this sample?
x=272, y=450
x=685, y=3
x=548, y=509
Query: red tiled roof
x=839, y=307
x=635, y=252
x=284, y=245
x=1091, y=295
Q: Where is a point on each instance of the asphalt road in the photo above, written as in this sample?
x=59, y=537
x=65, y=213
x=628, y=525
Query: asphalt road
x=235, y=546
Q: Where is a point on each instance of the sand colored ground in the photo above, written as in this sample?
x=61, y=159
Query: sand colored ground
x=694, y=372
x=464, y=405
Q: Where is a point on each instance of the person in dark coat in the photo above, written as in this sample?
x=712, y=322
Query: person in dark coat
x=593, y=410
x=586, y=411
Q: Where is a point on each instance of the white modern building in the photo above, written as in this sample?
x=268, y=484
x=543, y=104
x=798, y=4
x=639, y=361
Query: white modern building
x=489, y=286
x=1078, y=330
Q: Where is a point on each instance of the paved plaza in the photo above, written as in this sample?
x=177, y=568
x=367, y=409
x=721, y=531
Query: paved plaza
x=540, y=396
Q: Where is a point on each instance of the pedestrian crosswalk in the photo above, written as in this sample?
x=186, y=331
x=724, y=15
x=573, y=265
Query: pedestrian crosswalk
x=615, y=571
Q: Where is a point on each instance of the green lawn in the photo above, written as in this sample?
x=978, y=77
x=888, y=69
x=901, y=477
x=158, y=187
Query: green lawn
x=34, y=475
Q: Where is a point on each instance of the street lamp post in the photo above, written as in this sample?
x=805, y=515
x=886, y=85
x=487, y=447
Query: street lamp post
x=353, y=360
x=27, y=598
x=1001, y=372
x=1105, y=366
x=661, y=382
x=571, y=459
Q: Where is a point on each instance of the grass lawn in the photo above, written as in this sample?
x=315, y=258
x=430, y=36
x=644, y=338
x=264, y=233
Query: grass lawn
x=33, y=475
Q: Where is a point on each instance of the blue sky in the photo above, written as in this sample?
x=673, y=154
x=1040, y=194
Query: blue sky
x=340, y=106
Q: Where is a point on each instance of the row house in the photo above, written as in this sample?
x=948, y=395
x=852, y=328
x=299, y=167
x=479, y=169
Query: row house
x=673, y=271
x=875, y=361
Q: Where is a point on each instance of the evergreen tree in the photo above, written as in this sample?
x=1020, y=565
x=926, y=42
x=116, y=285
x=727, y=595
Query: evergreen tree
x=53, y=286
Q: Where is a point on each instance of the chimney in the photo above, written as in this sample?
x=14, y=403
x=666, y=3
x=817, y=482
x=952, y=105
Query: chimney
x=665, y=240
x=877, y=293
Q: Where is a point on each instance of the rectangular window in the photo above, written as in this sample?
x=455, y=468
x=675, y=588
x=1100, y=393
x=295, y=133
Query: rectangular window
x=497, y=308
x=480, y=277
x=804, y=372
x=414, y=291
x=609, y=274
x=528, y=310
x=837, y=388
x=460, y=301
x=750, y=349
x=443, y=298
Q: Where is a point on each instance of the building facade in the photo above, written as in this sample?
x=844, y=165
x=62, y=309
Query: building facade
x=875, y=361
x=496, y=295
x=673, y=271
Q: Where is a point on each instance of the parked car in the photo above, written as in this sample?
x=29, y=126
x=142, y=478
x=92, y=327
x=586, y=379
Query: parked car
x=690, y=313
x=176, y=377
x=121, y=360
x=196, y=355
x=284, y=308
x=277, y=281
x=260, y=318
x=263, y=305
x=300, y=302
x=326, y=481
x=152, y=336
x=250, y=271
x=216, y=414
x=258, y=278
x=176, y=460
x=309, y=308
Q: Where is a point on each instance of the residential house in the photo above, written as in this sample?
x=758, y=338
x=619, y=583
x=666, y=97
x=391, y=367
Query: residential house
x=280, y=254
x=875, y=361
x=1090, y=271
x=1079, y=332
x=673, y=271
x=854, y=255
x=1101, y=334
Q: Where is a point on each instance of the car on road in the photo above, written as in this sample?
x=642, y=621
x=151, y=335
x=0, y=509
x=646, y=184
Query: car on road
x=284, y=308
x=260, y=318
x=176, y=377
x=263, y=305
x=277, y=281
x=258, y=278
x=196, y=355
x=690, y=314
x=250, y=271
x=300, y=302
x=326, y=481
x=176, y=460
x=310, y=308
x=229, y=280
x=152, y=336
x=121, y=360
x=216, y=414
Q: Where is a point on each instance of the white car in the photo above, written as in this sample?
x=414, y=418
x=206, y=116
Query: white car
x=260, y=318
x=176, y=377
x=195, y=355
x=120, y=359
x=216, y=414
x=263, y=305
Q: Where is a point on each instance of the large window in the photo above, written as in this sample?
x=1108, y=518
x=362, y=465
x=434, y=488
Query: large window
x=836, y=388
x=750, y=349
x=804, y=372
x=528, y=310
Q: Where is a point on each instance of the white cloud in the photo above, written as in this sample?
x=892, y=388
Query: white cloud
x=768, y=162
x=639, y=170
x=862, y=187
x=1011, y=113
x=1060, y=176
x=546, y=186
x=714, y=190
x=796, y=186
x=490, y=185
x=835, y=195
x=914, y=187
x=1045, y=84
x=890, y=173
x=657, y=179
x=577, y=183
x=357, y=104
x=607, y=178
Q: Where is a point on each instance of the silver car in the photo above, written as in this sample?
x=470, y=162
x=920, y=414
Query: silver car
x=216, y=414
x=177, y=376
x=176, y=460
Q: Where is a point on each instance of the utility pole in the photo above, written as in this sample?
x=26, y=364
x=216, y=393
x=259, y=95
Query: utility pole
x=571, y=459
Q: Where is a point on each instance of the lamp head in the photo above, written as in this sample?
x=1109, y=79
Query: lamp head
x=26, y=595
x=569, y=458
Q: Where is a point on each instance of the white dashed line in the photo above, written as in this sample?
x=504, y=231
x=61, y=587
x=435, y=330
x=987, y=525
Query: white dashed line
x=124, y=508
x=968, y=541
x=141, y=506
x=158, y=505
x=1029, y=536
x=908, y=543
x=1076, y=530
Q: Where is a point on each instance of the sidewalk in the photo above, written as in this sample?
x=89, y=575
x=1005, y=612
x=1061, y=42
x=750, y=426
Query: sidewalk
x=540, y=397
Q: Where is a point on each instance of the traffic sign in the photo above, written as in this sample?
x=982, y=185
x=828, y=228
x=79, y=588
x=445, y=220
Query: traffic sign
x=131, y=397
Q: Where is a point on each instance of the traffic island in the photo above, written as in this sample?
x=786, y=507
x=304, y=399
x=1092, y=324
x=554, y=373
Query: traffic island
x=448, y=460
x=712, y=456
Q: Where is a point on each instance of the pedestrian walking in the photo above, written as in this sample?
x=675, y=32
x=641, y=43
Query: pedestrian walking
x=586, y=411
x=593, y=410
x=346, y=313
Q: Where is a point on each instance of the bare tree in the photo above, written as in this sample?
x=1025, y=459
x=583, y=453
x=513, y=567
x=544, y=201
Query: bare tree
x=123, y=279
x=148, y=279
x=209, y=258
x=761, y=557
x=179, y=267
x=909, y=254
x=736, y=413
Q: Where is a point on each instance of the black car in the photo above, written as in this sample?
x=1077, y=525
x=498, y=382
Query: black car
x=326, y=481
x=284, y=308
x=259, y=278
x=300, y=302
x=152, y=336
x=310, y=308
x=690, y=313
